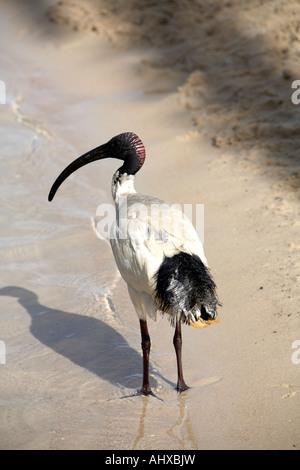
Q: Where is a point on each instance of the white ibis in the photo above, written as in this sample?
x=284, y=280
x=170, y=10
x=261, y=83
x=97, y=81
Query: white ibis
x=163, y=265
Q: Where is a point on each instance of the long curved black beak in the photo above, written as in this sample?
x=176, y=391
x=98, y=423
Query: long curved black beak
x=96, y=154
x=127, y=147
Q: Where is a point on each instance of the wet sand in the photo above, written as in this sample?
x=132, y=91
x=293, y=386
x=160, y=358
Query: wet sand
x=75, y=76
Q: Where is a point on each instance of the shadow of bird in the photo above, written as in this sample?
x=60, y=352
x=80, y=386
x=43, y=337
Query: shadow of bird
x=87, y=342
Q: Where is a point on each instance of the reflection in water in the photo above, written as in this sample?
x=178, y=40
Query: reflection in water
x=181, y=432
x=173, y=409
x=141, y=429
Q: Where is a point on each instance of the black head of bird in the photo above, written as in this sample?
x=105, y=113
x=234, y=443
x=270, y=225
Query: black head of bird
x=126, y=146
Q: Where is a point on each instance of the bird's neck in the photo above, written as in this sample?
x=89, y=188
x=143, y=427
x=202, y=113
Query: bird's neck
x=122, y=185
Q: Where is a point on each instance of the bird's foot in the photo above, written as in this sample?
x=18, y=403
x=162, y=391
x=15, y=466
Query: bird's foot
x=146, y=390
x=182, y=387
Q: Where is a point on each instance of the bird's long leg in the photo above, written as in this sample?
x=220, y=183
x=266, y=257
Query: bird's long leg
x=177, y=341
x=146, y=344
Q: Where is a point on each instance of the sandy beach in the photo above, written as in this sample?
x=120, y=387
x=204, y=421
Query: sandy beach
x=207, y=86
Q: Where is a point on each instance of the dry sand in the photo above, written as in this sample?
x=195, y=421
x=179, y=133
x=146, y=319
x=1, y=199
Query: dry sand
x=207, y=86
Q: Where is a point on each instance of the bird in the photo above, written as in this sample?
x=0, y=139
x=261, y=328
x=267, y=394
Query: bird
x=157, y=251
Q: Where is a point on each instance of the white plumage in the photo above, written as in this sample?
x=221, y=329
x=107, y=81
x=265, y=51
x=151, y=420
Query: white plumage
x=155, y=229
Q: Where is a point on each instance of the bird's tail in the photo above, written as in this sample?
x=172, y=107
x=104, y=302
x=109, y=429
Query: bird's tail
x=186, y=290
